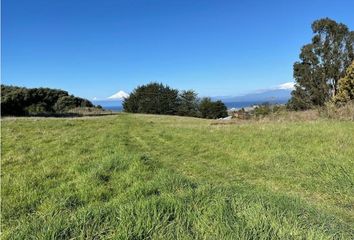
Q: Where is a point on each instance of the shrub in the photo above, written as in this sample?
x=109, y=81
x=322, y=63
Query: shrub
x=266, y=109
x=346, y=86
x=345, y=111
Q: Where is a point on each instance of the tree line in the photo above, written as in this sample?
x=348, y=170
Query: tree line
x=157, y=98
x=324, y=72
x=21, y=101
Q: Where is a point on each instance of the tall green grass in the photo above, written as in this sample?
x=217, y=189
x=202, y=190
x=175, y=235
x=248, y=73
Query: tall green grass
x=161, y=177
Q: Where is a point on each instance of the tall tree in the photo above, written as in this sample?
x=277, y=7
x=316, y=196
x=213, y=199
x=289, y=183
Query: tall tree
x=322, y=63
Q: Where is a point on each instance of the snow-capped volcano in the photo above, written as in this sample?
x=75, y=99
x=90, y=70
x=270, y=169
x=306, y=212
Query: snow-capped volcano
x=288, y=85
x=119, y=95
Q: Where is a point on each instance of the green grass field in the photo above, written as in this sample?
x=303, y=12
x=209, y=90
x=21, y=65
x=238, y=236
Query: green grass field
x=161, y=177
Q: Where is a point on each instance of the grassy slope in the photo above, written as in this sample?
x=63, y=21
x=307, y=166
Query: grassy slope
x=138, y=176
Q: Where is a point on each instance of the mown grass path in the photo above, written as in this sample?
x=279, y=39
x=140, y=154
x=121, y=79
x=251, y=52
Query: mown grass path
x=162, y=177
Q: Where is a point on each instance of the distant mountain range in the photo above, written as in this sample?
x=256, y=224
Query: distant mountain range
x=272, y=96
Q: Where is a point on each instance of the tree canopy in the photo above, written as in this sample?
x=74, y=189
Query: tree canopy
x=188, y=104
x=156, y=98
x=322, y=63
x=153, y=98
x=20, y=101
x=211, y=109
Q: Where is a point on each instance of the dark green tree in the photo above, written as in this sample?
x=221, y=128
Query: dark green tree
x=212, y=110
x=322, y=63
x=153, y=98
x=188, y=104
x=131, y=104
x=205, y=107
x=20, y=101
x=220, y=109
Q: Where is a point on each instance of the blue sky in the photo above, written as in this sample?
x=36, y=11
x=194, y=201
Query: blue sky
x=96, y=48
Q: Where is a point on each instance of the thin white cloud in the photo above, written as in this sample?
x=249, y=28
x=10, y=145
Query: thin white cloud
x=288, y=85
x=119, y=95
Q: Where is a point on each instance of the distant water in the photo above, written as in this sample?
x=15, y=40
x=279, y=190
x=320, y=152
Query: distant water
x=249, y=104
x=114, y=108
x=229, y=105
x=240, y=104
